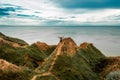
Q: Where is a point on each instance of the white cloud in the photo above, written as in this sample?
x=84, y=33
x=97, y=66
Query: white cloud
x=19, y=21
x=97, y=17
x=49, y=12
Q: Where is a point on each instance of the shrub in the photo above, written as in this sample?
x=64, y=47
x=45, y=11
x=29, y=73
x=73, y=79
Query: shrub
x=114, y=75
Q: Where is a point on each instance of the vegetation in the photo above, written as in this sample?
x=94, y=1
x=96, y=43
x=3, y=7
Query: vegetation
x=114, y=75
x=15, y=40
x=11, y=54
x=107, y=65
x=50, y=50
x=17, y=55
x=91, y=54
x=22, y=75
x=45, y=78
x=36, y=53
x=65, y=61
x=73, y=68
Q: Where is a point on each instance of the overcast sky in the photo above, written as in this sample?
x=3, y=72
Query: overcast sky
x=59, y=12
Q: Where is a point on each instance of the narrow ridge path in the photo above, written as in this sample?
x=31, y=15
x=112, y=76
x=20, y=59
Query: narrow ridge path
x=51, y=66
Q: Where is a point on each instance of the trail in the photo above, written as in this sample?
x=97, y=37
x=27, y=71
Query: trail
x=51, y=66
x=56, y=56
x=45, y=74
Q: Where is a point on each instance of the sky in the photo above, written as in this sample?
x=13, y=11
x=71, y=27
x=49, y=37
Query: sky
x=59, y=12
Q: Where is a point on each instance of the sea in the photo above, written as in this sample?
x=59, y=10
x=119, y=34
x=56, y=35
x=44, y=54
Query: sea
x=105, y=38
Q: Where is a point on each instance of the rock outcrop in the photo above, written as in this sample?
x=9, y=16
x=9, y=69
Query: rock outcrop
x=6, y=66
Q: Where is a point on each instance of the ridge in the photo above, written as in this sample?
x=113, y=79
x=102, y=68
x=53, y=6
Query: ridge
x=68, y=46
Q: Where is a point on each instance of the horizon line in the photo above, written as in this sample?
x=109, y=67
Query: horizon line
x=62, y=25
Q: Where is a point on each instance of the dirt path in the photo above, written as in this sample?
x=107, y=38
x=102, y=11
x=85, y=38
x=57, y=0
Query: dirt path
x=44, y=74
x=56, y=56
x=51, y=66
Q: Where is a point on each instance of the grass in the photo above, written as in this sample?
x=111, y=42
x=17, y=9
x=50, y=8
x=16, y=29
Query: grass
x=11, y=54
x=50, y=50
x=15, y=40
x=80, y=66
x=92, y=55
x=73, y=68
x=45, y=78
x=36, y=53
x=22, y=75
x=114, y=75
x=17, y=55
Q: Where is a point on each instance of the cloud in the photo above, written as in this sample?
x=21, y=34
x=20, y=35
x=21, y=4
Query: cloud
x=89, y=4
x=5, y=11
x=2, y=13
x=58, y=13
x=9, y=9
x=27, y=16
x=113, y=17
x=19, y=21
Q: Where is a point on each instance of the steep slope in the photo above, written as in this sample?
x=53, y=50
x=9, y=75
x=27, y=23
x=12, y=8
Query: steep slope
x=107, y=65
x=66, y=63
x=13, y=41
x=9, y=71
x=12, y=54
x=19, y=52
x=45, y=48
x=28, y=56
x=37, y=53
x=90, y=53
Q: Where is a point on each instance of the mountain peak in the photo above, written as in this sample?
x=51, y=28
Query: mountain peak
x=42, y=45
x=85, y=45
x=67, y=45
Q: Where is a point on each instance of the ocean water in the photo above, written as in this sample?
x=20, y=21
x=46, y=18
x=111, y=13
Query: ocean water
x=106, y=39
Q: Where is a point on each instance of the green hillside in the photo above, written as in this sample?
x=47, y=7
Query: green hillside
x=71, y=66
x=64, y=61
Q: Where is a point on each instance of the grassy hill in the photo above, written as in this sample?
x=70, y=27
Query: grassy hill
x=69, y=62
x=64, y=61
x=22, y=55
